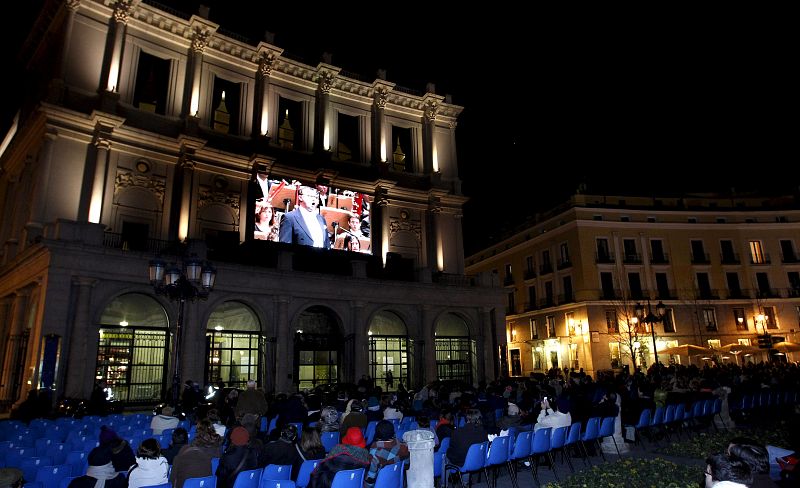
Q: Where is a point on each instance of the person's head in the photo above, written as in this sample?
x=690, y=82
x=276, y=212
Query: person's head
x=355, y=406
x=354, y=437
x=563, y=405
x=311, y=439
x=513, y=409
x=474, y=417
x=721, y=467
x=354, y=222
x=180, y=436
x=99, y=456
x=266, y=214
x=289, y=433
x=206, y=435
x=308, y=198
x=611, y=397
x=251, y=384
x=167, y=411
x=446, y=417
x=213, y=415
x=753, y=453
x=107, y=435
x=240, y=436
x=384, y=431
x=11, y=478
x=149, y=449
x=351, y=243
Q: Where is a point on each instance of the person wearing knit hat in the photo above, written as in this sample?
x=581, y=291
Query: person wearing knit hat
x=354, y=437
x=122, y=456
x=11, y=478
x=101, y=472
x=238, y=457
x=384, y=451
x=354, y=416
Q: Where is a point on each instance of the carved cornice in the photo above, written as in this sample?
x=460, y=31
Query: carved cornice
x=381, y=94
x=431, y=108
x=266, y=63
x=102, y=141
x=153, y=184
x=411, y=226
x=200, y=40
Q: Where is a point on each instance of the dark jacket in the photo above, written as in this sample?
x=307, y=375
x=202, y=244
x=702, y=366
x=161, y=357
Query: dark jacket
x=341, y=457
x=235, y=460
x=462, y=439
x=88, y=482
x=171, y=452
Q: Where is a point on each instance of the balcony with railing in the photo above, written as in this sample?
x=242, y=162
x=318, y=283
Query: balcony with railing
x=529, y=306
x=738, y=293
x=701, y=258
x=730, y=258
x=546, y=302
x=566, y=298
x=610, y=294
x=768, y=293
x=604, y=258
x=545, y=268
x=564, y=263
x=660, y=258
x=667, y=294
x=632, y=258
x=707, y=294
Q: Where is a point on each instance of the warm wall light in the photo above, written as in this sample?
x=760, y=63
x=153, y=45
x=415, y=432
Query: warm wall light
x=326, y=137
x=435, y=159
x=264, y=122
x=383, y=149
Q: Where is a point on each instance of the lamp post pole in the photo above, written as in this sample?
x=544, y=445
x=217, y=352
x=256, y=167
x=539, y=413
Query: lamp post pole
x=651, y=319
x=193, y=280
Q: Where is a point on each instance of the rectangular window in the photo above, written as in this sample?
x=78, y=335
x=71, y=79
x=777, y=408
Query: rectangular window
x=402, y=150
x=794, y=283
x=762, y=280
x=787, y=250
x=635, y=284
x=714, y=343
x=757, y=253
x=603, y=252
x=225, y=106
x=607, y=283
x=567, y=282
x=662, y=286
x=549, y=299
x=534, y=330
x=734, y=289
x=698, y=252
x=511, y=308
x=616, y=358
x=564, y=250
x=710, y=319
x=531, y=297
x=728, y=254
x=629, y=247
x=569, y=321
x=739, y=319
x=703, y=286
x=290, y=126
x=152, y=84
x=772, y=318
x=669, y=321
x=547, y=265
x=349, y=146
x=657, y=251
x=530, y=267
x=612, y=322
x=551, y=326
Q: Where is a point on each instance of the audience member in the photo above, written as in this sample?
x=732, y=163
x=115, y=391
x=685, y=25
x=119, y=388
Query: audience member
x=179, y=439
x=122, y=456
x=239, y=456
x=329, y=419
x=194, y=460
x=353, y=417
x=350, y=453
x=164, y=420
x=385, y=450
x=723, y=471
x=11, y=478
x=310, y=447
x=756, y=456
x=101, y=472
x=284, y=450
x=251, y=400
x=471, y=433
x=445, y=427
x=151, y=467
x=559, y=417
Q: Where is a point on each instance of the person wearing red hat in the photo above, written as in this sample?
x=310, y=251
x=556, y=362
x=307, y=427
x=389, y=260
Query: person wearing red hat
x=350, y=453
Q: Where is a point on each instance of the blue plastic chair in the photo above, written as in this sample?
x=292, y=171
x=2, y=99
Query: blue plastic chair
x=277, y=472
x=162, y=485
x=438, y=465
x=520, y=451
x=497, y=456
x=349, y=478
x=64, y=483
x=57, y=452
x=369, y=433
x=642, y=425
x=541, y=445
x=204, y=482
x=607, y=430
x=275, y=484
x=52, y=475
x=590, y=435
x=248, y=479
x=214, y=464
x=389, y=476
x=680, y=413
x=304, y=475
x=474, y=461
x=330, y=439
x=558, y=439
x=30, y=466
x=444, y=445
x=78, y=461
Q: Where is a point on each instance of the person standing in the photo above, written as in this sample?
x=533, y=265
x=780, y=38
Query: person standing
x=304, y=225
x=251, y=401
x=389, y=379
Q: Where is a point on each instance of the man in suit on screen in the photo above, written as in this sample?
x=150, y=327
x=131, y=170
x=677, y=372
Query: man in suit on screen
x=304, y=225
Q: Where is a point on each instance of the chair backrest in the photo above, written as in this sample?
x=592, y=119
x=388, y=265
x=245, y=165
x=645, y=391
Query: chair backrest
x=304, y=475
x=30, y=466
x=574, y=434
x=78, y=461
x=438, y=464
x=204, y=482
x=64, y=482
x=57, y=452
x=717, y=406
x=162, y=485
x=708, y=407
x=541, y=440
x=498, y=451
x=369, y=433
x=277, y=472
x=330, y=439
x=606, y=427
x=275, y=484
x=522, y=445
x=348, y=478
x=52, y=475
x=389, y=476
x=248, y=479
x=214, y=464
x=476, y=457
x=644, y=419
x=559, y=436
x=697, y=408
x=680, y=411
x=669, y=414
x=592, y=429
x=658, y=416
x=444, y=445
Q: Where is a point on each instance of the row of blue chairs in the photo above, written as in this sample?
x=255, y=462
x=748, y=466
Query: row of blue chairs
x=673, y=418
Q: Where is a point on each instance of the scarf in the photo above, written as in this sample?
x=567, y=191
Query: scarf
x=101, y=473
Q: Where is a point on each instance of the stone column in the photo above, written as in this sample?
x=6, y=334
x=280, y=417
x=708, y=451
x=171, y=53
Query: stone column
x=56, y=88
x=110, y=81
x=261, y=114
x=283, y=367
x=102, y=144
x=420, y=447
x=80, y=362
x=380, y=144
x=379, y=227
x=427, y=329
x=428, y=129
x=322, y=135
x=361, y=345
x=39, y=193
x=202, y=33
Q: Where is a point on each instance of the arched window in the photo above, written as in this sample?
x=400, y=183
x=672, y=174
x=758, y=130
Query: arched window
x=455, y=350
x=233, y=343
x=388, y=350
x=132, y=353
x=318, y=346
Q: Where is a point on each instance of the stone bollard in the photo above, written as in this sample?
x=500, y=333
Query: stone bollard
x=420, y=447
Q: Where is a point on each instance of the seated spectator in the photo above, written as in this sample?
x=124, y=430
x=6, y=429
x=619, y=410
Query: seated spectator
x=723, y=471
x=392, y=412
x=194, y=460
x=164, y=420
x=122, y=456
x=424, y=423
x=385, y=450
x=284, y=450
x=309, y=447
x=179, y=439
x=101, y=472
x=463, y=437
x=445, y=427
x=510, y=419
x=151, y=467
x=756, y=456
x=353, y=417
x=213, y=416
x=11, y=478
x=350, y=453
x=607, y=407
x=374, y=409
x=238, y=457
x=554, y=418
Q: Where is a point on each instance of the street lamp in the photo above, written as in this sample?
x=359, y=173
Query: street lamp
x=651, y=319
x=190, y=280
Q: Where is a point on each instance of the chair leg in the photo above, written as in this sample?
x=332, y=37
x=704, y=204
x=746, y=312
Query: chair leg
x=552, y=464
x=566, y=454
x=512, y=472
x=585, y=454
x=600, y=448
x=616, y=447
x=535, y=468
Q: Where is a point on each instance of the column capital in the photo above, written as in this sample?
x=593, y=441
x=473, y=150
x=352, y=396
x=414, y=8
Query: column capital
x=123, y=9
x=73, y=4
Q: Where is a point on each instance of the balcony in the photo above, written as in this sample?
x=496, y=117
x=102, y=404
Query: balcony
x=662, y=258
x=529, y=274
x=639, y=294
x=545, y=268
x=730, y=258
x=793, y=292
x=739, y=293
x=768, y=293
x=564, y=264
x=701, y=258
x=632, y=258
x=604, y=258
x=610, y=294
x=566, y=298
x=546, y=302
x=667, y=294
x=708, y=294
x=764, y=259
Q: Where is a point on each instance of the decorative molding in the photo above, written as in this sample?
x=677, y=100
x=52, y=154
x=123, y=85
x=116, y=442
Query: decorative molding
x=266, y=64
x=325, y=81
x=200, y=40
x=209, y=195
x=154, y=184
x=123, y=9
x=414, y=227
x=73, y=4
x=381, y=94
x=431, y=108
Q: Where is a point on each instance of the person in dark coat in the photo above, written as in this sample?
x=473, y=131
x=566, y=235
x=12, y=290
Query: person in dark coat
x=238, y=457
x=122, y=455
x=283, y=450
x=463, y=437
x=179, y=439
x=100, y=470
x=351, y=453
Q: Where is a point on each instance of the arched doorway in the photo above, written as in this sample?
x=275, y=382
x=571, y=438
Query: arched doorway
x=455, y=349
x=318, y=346
x=388, y=349
x=233, y=345
x=132, y=352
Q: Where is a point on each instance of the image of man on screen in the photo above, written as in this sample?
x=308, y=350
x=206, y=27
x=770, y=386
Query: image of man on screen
x=304, y=225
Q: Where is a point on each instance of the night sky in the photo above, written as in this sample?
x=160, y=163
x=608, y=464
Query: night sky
x=635, y=102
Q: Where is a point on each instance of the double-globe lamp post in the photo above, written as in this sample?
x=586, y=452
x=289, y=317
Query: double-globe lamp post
x=651, y=319
x=191, y=280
